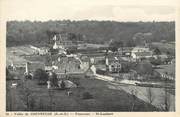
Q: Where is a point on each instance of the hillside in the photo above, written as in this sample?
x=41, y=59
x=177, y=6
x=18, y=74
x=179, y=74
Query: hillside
x=26, y=32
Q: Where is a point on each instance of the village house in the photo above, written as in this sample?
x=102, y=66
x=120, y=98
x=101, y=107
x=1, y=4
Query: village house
x=126, y=51
x=114, y=64
x=50, y=60
x=62, y=42
x=139, y=53
x=43, y=50
x=85, y=62
x=40, y=50
x=140, y=49
x=62, y=64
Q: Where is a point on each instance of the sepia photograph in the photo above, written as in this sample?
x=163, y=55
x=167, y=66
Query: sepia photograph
x=93, y=57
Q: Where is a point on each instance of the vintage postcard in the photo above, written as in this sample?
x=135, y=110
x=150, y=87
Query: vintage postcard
x=89, y=58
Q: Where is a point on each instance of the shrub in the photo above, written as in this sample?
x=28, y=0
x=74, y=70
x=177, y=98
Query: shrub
x=41, y=76
x=54, y=80
x=63, y=86
x=87, y=95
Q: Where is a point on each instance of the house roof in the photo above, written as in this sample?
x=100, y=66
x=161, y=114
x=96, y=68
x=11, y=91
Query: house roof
x=55, y=57
x=49, y=58
x=42, y=48
x=68, y=64
x=115, y=59
x=163, y=56
x=142, y=49
x=143, y=53
x=125, y=49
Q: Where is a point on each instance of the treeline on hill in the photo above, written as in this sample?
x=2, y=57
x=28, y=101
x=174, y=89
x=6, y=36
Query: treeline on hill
x=27, y=32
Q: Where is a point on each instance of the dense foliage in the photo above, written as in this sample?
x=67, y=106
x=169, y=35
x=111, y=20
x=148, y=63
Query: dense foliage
x=41, y=76
x=37, y=32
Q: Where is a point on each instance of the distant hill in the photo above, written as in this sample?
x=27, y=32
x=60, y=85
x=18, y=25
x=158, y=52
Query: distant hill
x=26, y=32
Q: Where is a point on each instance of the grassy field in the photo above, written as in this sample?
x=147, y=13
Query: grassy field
x=170, y=69
x=164, y=47
x=104, y=98
x=158, y=94
x=13, y=54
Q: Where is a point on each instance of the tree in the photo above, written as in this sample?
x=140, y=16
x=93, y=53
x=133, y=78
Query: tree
x=139, y=39
x=125, y=67
x=53, y=78
x=35, y=32
x=155, y=62
x=114, y=45
x=130, y=43
x=41, y=76
x=142, y=39
x=87, y=95
x=53, y=51
x=63, y=86
x=156, y=51
x=144, y=68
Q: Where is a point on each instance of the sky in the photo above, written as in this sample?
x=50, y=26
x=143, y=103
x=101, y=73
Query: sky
x=115, y=10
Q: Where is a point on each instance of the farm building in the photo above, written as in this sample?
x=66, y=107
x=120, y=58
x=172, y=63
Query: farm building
x=141, y=55
x=62, y=64
x=50, y=60
x=43, y=50
x=67, y=64
x=39, y=50
x=115, y=64
x=125, y=51
x=140, y=49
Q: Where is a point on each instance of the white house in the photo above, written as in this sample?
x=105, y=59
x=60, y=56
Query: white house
x=140, y=49
x=140, y=55
x=141, y=52
x=43, y=50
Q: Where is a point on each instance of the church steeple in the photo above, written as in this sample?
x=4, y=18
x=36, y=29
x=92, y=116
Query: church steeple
x=55, y=45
